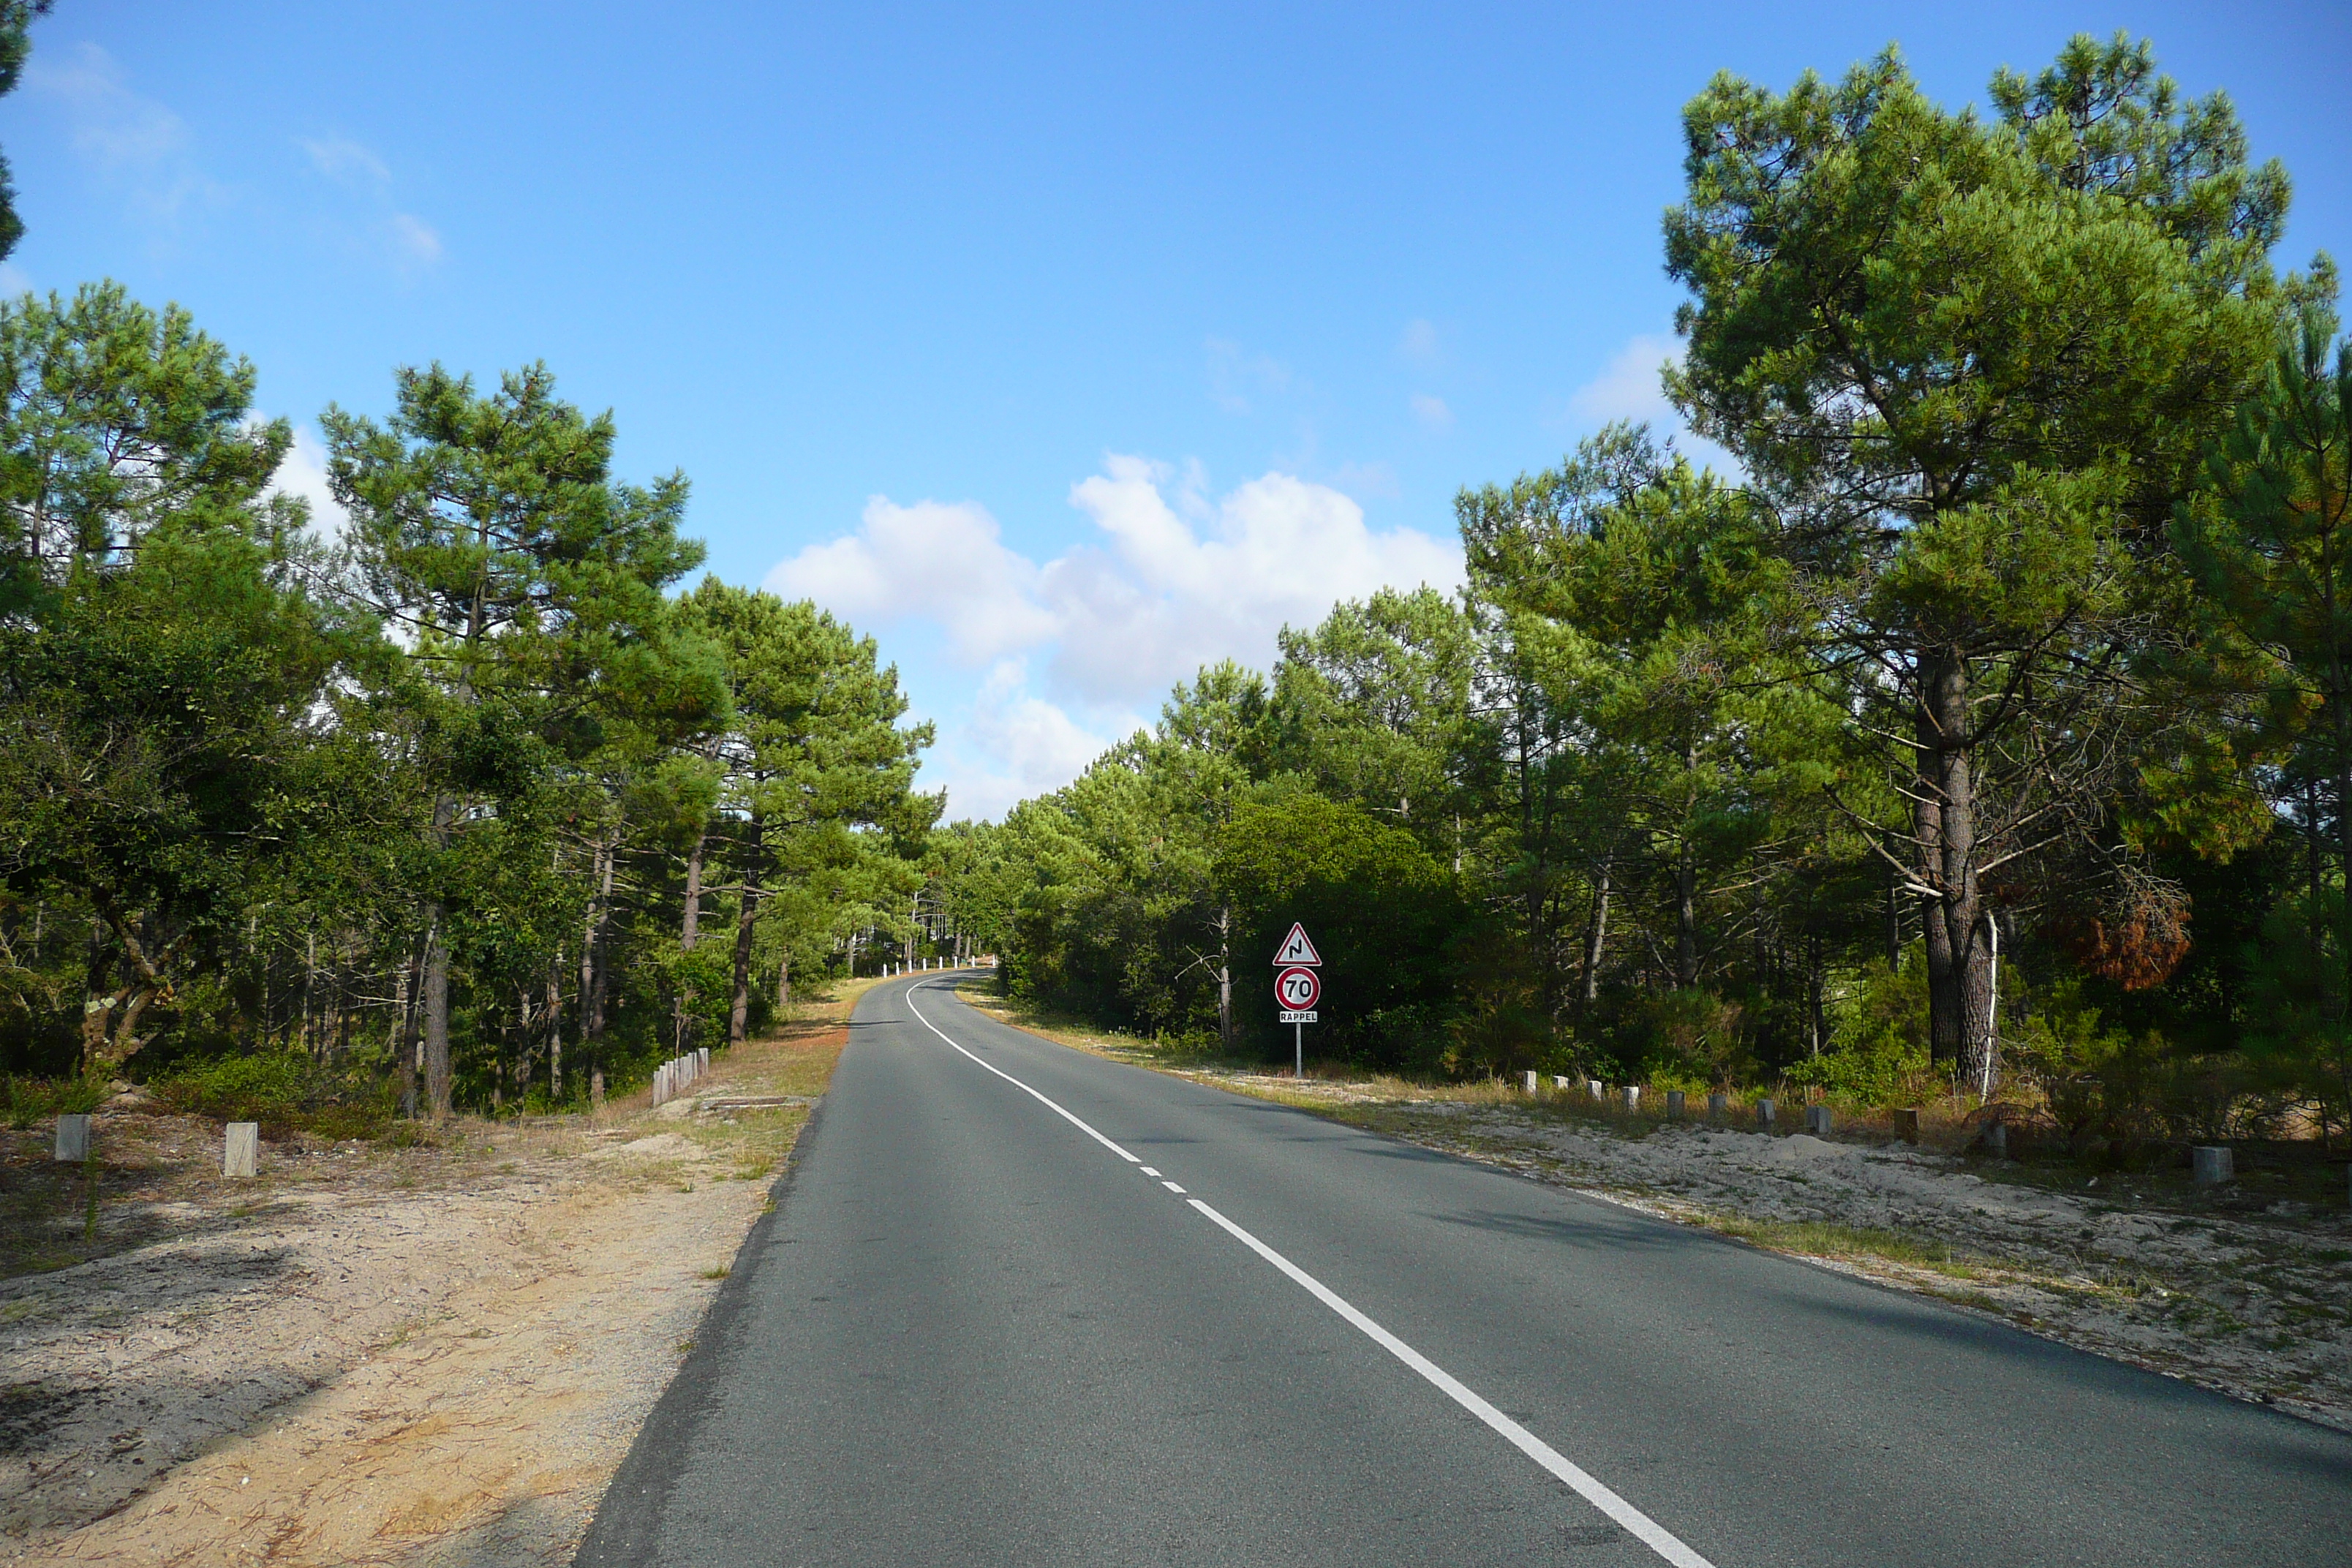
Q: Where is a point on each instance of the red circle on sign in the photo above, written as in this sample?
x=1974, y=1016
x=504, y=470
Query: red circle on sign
x=1299, y=989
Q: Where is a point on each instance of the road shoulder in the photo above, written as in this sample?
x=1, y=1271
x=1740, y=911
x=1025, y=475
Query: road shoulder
x=2251, y=1303
x=412, y=1356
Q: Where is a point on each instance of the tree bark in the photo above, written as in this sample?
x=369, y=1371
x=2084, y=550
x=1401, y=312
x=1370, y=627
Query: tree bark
x=1225, y=977
x=1894, y=924
x=1959, y=969
x=1686, y=916
x=738, y=1007
x=593, y=967
x=1596, y=930
x=690, y=929
x=438, y=1085
x=405, y=1037
x=690, y=921
x=555, y=1028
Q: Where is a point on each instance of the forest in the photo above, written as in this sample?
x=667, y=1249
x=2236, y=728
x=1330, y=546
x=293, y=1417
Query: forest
x=1977, y=723
x=1982, y=728
x=459, y=805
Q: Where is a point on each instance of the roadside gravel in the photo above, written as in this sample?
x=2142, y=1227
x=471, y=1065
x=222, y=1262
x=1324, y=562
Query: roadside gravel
x=380, y=1356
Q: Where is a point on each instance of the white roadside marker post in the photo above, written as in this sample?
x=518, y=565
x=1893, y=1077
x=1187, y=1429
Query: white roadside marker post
x=1531, y=1085
x=73, y=1138
x=241, y=1151
x=2214, y=1164
x=1673, y=1105
x=1764, y=1116
x=1716, y=1104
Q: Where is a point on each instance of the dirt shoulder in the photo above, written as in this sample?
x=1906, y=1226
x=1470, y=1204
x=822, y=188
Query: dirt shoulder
x=369, y=1355
x=2226, y=1287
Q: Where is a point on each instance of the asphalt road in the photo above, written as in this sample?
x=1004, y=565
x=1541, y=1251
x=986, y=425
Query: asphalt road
x=977, y=1331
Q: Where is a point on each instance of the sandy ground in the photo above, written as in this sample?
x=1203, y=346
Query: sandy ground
x=2233, y=1289
x=380, y=1356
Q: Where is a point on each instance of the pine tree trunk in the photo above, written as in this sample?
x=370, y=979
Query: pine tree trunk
x=738, y=1007
x=1894, y=925
x=690, y=929
x=593, y=967
x=1596, y=930
x=1685, y=918
x=690, y=920
x=405, y=1037
x=1225, y=977
x=1959, y=968
x=555, y=1028
x=438, y=1085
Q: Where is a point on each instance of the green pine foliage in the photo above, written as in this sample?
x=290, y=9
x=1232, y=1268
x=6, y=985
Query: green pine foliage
x=1985, y=732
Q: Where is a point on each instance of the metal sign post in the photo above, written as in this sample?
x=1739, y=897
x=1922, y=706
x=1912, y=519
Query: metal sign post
x=1297, y=989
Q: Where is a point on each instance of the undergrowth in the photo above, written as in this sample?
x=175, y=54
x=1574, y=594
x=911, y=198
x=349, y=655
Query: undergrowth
x=284, y=1092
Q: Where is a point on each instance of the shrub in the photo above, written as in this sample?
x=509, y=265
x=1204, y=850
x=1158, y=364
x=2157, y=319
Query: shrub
x=25, y=1101
x=1877, y=1052
x=282, y=1091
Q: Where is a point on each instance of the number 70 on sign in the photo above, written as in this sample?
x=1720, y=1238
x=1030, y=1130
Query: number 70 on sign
x=1298, y=990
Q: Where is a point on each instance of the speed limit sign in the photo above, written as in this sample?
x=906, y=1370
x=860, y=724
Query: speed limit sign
x=1298, y=990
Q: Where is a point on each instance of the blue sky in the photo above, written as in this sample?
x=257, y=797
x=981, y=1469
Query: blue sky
x=1064, y=348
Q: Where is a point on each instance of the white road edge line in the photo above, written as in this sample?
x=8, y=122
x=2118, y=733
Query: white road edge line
x=1650, y=1533
x=1024, y=1088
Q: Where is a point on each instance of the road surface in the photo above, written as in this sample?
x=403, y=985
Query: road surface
x=1021, y=1305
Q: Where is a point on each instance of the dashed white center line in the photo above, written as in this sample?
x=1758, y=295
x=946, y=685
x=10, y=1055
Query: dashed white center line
x=1650, y=1533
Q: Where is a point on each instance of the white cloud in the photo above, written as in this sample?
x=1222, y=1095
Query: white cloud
x=1431, y=412
x=15, y=281
x=1629, y=387
x=1163, y=599
x=304, y=474
x=406, y=240
x=944, y=563
x=133, y=140
x=1013, y=744
x=1237, y=375
x=1172, y=580
x=1419, y=343
x=1373, y=478
x=413, y=240
x=340, y=158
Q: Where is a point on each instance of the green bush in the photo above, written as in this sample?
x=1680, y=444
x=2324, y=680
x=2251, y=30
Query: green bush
x=25, y=1101
x=282, y=1091
x=1691, y=1038
x=1877, y=1053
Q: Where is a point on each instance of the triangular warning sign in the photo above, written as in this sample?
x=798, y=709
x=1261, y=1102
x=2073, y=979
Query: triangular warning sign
x=1297, y=949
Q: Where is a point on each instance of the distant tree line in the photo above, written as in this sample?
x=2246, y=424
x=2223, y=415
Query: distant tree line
x=1990, y=724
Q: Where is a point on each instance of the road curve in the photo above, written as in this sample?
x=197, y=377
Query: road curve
x=1021, y=1305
